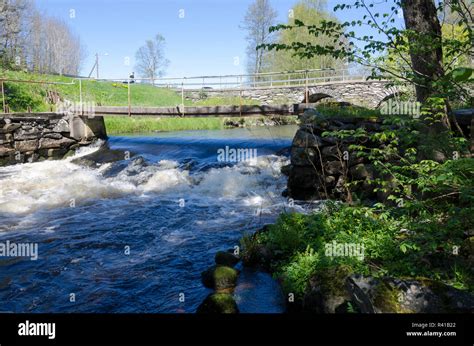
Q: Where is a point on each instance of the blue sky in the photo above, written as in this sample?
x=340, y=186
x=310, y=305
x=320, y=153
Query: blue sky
x=206, y=41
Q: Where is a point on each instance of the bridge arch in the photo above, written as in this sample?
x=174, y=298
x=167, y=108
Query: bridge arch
x=390, y=95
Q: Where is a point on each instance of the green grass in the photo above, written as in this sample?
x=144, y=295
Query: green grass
x=120, y=124
x=20, y=96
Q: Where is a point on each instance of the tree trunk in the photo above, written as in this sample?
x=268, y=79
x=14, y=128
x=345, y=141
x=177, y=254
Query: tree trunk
x=425, y=44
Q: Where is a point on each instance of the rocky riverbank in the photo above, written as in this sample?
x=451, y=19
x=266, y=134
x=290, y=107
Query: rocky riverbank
x=350, y=257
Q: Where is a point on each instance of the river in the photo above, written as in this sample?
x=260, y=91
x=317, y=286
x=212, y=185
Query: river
x=134, y=235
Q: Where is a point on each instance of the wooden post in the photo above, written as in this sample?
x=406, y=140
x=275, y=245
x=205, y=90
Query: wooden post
x=129, y=99
x=80, y=96
x=3, y=98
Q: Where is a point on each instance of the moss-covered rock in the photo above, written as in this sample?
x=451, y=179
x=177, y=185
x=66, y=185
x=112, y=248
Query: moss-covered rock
x=420, y=295
x=327, y=290
x=218, y=303
x=220, y=278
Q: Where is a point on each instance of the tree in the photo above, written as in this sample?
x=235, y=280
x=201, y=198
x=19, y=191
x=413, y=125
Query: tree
x=30, y=39
x=427, y=69
x=423, y=31
x=259, y=17
x=151, y=62
x=52, y=47
x=12, y=29
x=311, y=12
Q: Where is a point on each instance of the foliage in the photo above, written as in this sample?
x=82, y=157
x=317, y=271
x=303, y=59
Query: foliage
x=298, y=272
x=335, y=110
x=428, y=210
x=346, y=42
x=259, y=17
x=151, y=61
x=17, y=98
x=311, y=13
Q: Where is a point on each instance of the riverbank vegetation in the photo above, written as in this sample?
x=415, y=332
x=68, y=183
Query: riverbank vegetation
x=409, y=221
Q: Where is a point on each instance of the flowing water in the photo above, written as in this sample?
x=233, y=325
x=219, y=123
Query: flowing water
x=134, y=235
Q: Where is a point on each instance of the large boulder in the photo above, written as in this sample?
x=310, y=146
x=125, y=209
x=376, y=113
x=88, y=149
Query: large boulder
x=218, y=303
x=336, y=290
x=391, y=295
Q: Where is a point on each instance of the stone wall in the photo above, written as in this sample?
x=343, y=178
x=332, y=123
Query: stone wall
x=37, y=137
x=321, y=165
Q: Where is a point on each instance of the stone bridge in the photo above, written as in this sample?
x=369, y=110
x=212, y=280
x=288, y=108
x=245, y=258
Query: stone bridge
x=358, y=92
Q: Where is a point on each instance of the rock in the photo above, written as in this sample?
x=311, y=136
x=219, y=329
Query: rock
x=23, y=134
x=225, y=258
x=285, y=170
x=53, y=135
x=332, y=151
x=391, y=295
x=334, y=167
x=330, y=180
x=5, y=151
x=28, y=145
x=55, y=153
x=9, y=127
x=326, y=292
x=62, y=126
x=309, y=115
x=361, y=172
x=305, y=139
x=218, y=303
x=50, y=143
x=333, y=290
x=304, y=156
x=257, y=256
x=220, y=277
x=303, y=183
x=6, y=138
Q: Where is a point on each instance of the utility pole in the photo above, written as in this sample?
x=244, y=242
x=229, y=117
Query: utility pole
x=96, y=66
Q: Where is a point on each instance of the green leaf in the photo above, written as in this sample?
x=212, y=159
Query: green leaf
x=462, y=74
x=403, y=248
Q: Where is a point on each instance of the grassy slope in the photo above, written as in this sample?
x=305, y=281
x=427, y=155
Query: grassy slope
x=21, y=96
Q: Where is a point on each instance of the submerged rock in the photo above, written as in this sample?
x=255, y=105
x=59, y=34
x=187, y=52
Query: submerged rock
x=225, y=258
x=218, y=303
